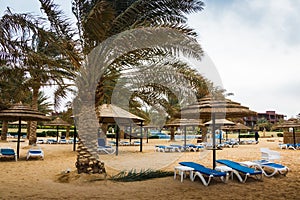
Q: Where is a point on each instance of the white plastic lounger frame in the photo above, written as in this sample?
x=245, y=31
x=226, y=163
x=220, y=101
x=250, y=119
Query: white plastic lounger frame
x=263, y=164
x=35, y=153
x=163, y=148
x=210, y=177
x=104, y=148
x=269, y=155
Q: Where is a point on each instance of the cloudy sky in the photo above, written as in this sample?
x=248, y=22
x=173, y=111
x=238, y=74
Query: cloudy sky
x=254, y=45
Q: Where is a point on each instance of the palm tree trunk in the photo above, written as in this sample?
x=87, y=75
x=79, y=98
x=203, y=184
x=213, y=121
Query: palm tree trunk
x=172, y=137
x=33, y=124
x=67, y=132
x=87, y=158
x=28, y=129
x=4, y=130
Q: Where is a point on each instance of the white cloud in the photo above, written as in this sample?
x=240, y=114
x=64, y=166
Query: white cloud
x=255, y=46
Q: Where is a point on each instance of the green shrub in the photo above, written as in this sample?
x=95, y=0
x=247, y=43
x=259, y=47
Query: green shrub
x=51, y=133
x=110, y=135
x=42, y=134
x=247, y=136
x=279, y=134
x=154, y=137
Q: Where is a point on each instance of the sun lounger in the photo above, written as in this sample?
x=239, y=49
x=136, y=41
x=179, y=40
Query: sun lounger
x=105, y=148
x=292, y=146
x=231, y=143
x=193, y=147
x=239, y=170
x=8, y=153
x=283, y=146
x=35, y=152
x=181, y=148
x=268, y=168
x=136, y=143
x=164, y=148
x=269, y=155
x=124, y=143
x=202, y=172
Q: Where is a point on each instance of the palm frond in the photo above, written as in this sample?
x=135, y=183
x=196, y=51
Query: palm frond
x=133, y=175
x=153, y=13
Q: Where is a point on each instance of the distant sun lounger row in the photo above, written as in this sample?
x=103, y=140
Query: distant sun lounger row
x=290, y=146
x=178, y=148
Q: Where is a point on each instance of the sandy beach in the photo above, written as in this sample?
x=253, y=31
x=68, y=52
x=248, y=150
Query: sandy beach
x=43, y=179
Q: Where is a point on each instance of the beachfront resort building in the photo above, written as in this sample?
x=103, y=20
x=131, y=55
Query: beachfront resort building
x=270, y=116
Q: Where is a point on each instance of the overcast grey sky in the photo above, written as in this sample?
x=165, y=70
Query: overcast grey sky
x=255, y=46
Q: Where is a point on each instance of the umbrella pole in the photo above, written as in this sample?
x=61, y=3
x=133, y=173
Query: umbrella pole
x=226, y=135
x=146, y=130
x=130, y=133
x=19, y=135
x=214, y=139
x=141, y=139
x=239, y=135
x=220, y=135
x=294, y=137
x=117, y=139
x=184, y=138
x=56, y=134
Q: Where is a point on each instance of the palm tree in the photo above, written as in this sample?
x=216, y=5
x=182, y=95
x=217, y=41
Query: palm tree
x=98, y=22
x=121, y=71
x=45, y=58
x=103, y=22
x=11, y=91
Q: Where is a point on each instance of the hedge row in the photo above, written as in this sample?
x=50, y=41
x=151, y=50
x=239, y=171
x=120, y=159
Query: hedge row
x=247, y=136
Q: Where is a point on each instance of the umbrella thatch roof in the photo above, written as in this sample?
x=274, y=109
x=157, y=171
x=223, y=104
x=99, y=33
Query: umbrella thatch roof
x=221, y=107
x=184, y=122
x=288, y=124
x=109, y=113
x=24, y=112
x=220, y=122
x=58, y=122
x=239, y=126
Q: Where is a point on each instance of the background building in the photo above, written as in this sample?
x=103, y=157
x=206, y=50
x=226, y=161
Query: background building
x=270, y=116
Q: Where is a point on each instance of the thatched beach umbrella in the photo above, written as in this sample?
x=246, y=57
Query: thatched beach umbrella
x=290, y=124
x=147, y=127
x=222, y=108
x=58, y=122
x=109, y=113
x=215, y=108
x=184, y=123
x=22, y=112
x=220, y=123
x=239, y=127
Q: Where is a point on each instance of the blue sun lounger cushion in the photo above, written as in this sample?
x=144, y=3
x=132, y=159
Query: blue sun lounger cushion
x=8, y=153
x=240, y=169
x=273, y=167
x=201, y=170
